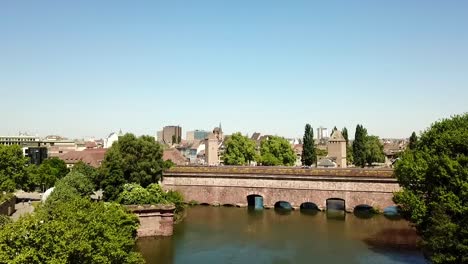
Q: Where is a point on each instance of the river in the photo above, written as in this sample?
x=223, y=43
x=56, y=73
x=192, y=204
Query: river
x=242, y=235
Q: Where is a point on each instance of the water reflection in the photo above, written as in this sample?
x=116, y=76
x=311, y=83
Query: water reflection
x=241, y=235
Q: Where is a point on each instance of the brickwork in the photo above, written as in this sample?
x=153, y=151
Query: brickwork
x=155, y=220
x=216, y=187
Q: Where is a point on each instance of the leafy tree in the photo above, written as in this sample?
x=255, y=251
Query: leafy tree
x=13, y=173
x=78, y=231
x=5, y=220
x=321, y=152
x=131, y=160
x=344, y=132
x=112, y=172
x=309, y=155
x=374, y=150
x=240, y=150
x=69, y=228
x=89, y=171
x=349, y=148
x=50, y=170
x=276, y=151
x=434, y=196
x=359, y=146
x=413, y=141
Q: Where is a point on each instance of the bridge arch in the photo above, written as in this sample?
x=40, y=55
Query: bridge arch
x=284, y=205
x=255, y=201
x=336, y=204
x=309, y=206
x=364, y=211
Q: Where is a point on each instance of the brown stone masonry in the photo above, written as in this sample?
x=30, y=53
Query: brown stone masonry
x=232, y=185
x=155, y=220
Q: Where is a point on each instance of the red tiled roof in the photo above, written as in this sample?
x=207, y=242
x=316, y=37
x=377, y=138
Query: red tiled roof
x=175, y=156
x=92, y=157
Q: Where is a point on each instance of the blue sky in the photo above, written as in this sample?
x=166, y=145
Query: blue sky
x=86, y=68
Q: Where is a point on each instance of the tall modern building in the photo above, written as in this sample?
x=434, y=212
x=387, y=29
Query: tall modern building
x=322, y=133
x=197, y=135
x=170, y=135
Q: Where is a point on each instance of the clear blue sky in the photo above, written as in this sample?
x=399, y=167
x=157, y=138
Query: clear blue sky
x=87, y=68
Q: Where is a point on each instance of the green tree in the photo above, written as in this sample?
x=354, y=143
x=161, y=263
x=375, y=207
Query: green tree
x=50, y=170
x=359, y=146
x=374, y=150
x=413, y=140
x=276, y=151
x=349, y=148
x=13, y=174
x=240, y=150
x=309, y=155
x=78, y=231
x=131, y=160
x=434, y=196
x=88, y=171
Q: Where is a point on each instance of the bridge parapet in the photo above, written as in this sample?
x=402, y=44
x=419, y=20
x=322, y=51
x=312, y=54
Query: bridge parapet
x=283, y=171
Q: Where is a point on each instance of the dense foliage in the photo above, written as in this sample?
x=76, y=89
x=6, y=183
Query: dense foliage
x=45, y=175
x=373, y=150
x=153, y=194
x=131, y=160
x=359, y=146
x=240, y=150
x=12, y=168
x=309, y=155
x=88, y=171
x=349, y=148
x=434, y=178
x=366, y=149
x=276, y=151
x=412, y=141
x=69, y=228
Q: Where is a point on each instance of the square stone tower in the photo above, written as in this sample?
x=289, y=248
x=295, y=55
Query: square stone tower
x=211, y=150
x=336, y=147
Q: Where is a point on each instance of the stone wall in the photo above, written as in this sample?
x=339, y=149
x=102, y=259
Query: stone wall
x=8, y=207
x=369, y=187
x=155, y=220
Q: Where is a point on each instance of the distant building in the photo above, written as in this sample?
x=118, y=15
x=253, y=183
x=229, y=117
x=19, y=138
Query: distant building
x=21, y=140
x=218, y=133
x=113, y=137
x=336, y=147
x=326, y=163
x=170, y=135
x=211, y=150
x=196, y=135
x=322, y=133
x=175, y=156
x=92, y=157
x=36, y=155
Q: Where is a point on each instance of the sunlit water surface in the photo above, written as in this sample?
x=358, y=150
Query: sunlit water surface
x=239, y=235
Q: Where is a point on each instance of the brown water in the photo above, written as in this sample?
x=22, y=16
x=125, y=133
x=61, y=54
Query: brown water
x=239, y=235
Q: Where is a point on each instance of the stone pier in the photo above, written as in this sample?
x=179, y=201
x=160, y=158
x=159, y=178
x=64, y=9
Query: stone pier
x=155, y=220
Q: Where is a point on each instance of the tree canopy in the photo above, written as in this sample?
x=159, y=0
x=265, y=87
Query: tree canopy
x=240, y=150
x=412, y=141
x=13, y=174
x=276, y=151
x=373, y=150
x=359, y=146
x=309, y=155
x=69, y=228
x=434, y=196
x=131, y=160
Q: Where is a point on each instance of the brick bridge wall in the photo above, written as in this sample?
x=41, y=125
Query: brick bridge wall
x=155, y=220
x=232, y=185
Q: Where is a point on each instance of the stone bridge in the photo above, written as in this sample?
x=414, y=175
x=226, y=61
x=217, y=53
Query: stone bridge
x=226, y=185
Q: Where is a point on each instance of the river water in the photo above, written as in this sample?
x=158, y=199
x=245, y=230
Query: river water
x=242, y=235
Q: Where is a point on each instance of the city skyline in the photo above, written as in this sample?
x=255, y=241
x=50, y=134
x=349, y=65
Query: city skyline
x=90, y=68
